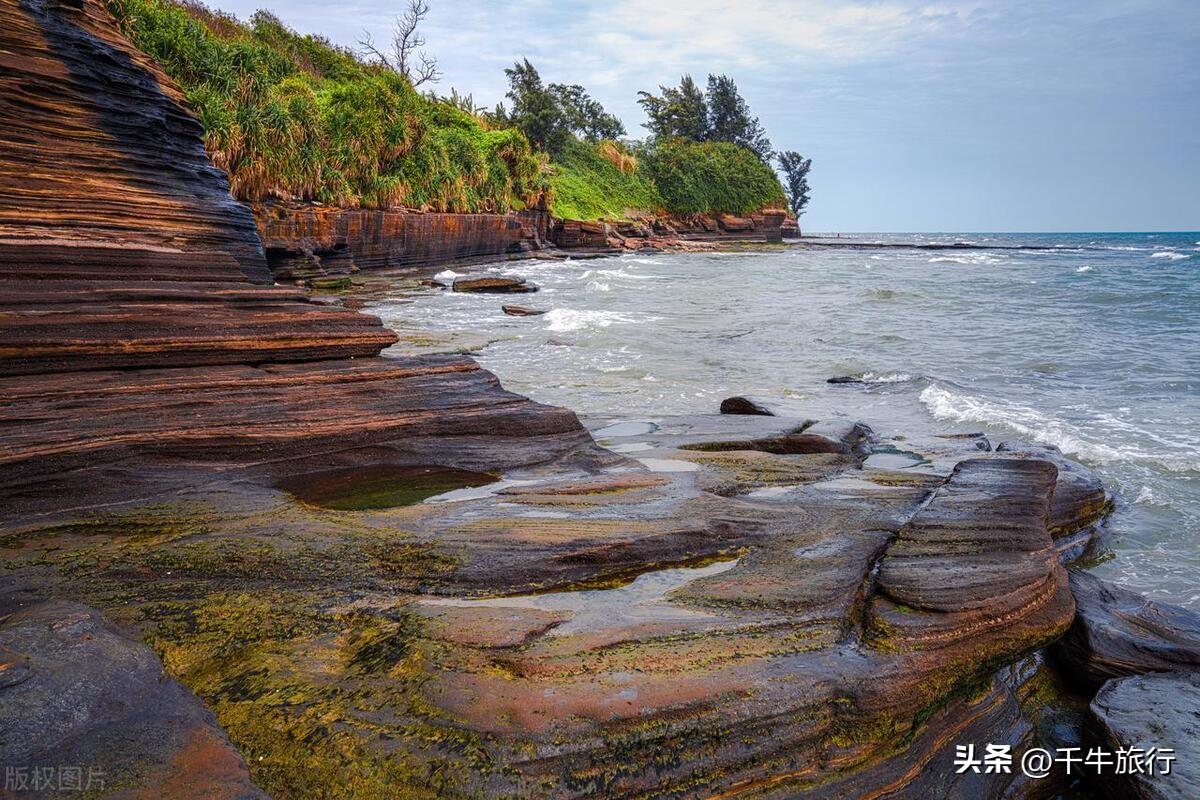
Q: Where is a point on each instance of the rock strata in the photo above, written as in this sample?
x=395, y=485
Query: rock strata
x=122, y=254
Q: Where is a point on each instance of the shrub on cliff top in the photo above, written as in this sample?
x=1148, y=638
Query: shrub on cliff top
x=297, y=115
x=696, y=177
x=600, y=181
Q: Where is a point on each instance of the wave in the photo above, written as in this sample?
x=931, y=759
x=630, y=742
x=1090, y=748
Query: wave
x=596, y=286
x=1171, y=254
x=1028, y=422
x=615, y=273
x=972, y=258
x=573, y=319
x=447, y=275
x=1087, y=268
x=885, y=377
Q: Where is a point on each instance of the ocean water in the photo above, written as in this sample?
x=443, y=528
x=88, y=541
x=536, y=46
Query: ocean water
x=1091, y=343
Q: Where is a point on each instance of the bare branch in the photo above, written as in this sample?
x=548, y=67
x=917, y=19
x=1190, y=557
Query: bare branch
x=367, y=43
x=426, y=72
x=406, y=38
x=406, y=57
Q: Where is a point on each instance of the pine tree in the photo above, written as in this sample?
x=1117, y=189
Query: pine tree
x=795, y=179
x=730, y=120
x=680, y=111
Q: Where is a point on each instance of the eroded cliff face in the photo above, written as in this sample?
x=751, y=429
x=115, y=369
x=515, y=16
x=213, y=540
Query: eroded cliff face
x=121, y=249
x=320, y=245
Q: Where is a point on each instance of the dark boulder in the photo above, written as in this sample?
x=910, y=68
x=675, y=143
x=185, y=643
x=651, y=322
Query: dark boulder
x=1118, y=633
x=745, y=405
x=522, y=311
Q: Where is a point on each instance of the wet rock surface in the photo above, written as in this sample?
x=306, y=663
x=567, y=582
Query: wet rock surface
x=1117, y=633
x=494, y=284
x=522, y=311
x=745, y=405
x=1152, y=712
x=94, y=700
x=784, y=623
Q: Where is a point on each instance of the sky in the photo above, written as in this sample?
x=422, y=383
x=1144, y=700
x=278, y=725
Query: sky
x=981, y=115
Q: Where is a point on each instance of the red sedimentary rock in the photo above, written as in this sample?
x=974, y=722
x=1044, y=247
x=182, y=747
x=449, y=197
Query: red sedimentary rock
x=122, y=249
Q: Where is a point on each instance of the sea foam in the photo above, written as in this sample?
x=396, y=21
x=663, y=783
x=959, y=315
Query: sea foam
x=1032, y=424
x=574, y=319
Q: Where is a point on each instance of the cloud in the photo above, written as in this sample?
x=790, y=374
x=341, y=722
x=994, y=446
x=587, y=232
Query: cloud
x=755, y=33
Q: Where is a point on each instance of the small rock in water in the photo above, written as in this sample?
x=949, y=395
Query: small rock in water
x=499, y=284
x=745, y=405
x=432, y=283
x=845, y=379
x=522, y=311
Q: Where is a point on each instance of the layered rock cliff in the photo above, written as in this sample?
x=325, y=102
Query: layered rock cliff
x=319, y=245
x=122, y=253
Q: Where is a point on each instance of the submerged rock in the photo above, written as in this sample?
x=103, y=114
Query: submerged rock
x=1118, y=633
x=94, y=699
x=1151, y=712
x=494, y=284
x=745, y=405
x=522, y=311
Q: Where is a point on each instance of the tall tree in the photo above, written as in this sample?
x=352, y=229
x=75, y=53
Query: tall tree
x=678, y=111
x=584, y=116
x=730, y=120
x=795, y=179
x=407, y=57
x=535, y=109
x=550, y=115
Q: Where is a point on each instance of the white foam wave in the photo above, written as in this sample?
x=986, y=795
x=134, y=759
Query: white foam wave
x=1171, y=254
x=615, y=273
x=970, y=258
x=597, y=286
x=944, y=404
x=447, y=275
x=886, y=377
x=574, y=319
x=1084, y=269
x=645, y=261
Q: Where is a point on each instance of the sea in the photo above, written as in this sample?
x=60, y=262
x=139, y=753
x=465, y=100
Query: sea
x=1086, y=341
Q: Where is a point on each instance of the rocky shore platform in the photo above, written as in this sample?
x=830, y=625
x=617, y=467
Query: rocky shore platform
x=244, y=555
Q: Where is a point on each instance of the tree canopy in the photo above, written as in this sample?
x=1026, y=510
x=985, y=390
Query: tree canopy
x=719, y=114
x=550, y=115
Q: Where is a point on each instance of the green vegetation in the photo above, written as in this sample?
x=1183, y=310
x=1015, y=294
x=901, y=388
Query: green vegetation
x=716, y=115
x=589, y=183
x=295, y=115
x=695, y=177
x=707, y=153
